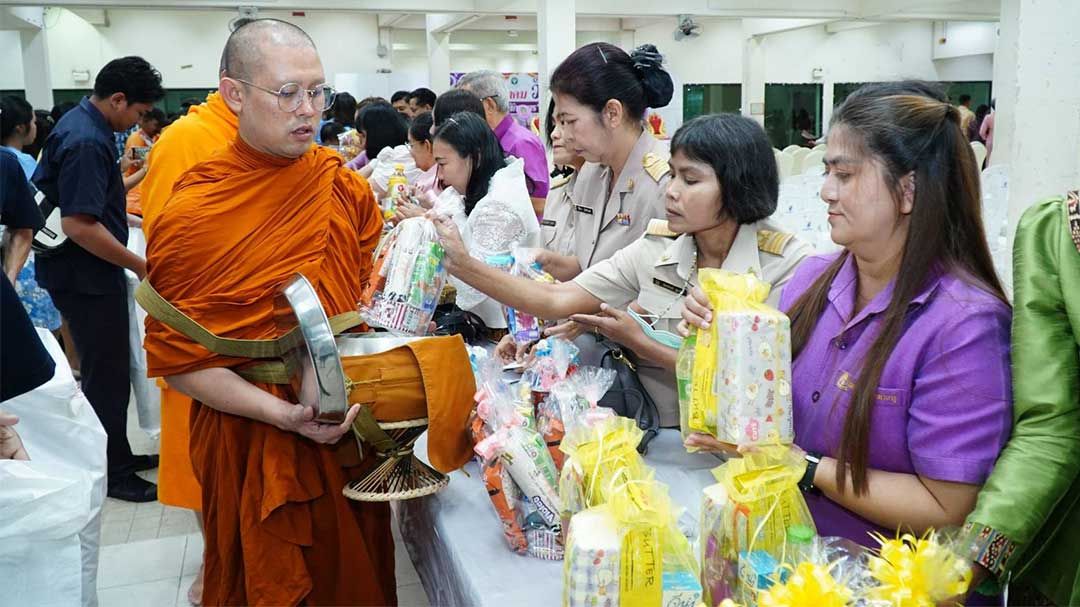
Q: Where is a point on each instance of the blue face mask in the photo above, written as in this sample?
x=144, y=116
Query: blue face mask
x=664, y=338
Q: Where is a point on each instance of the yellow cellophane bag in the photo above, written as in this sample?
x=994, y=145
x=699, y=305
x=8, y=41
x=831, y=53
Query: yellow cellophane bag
x=762, y=501
x=657, y=565
x=739, y=388
x=601, y=455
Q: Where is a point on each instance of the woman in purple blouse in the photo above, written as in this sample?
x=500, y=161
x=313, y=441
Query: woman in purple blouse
x=900, y=342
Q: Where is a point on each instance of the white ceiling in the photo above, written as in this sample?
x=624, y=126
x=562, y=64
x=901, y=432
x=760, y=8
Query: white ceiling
x=494, y=10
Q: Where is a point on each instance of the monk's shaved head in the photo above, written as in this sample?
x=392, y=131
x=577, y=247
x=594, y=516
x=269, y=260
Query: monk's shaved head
x=244, y=51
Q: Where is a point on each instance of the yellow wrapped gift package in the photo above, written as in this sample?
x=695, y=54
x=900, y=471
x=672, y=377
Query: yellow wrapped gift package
x=745, y=520
x=735, y=377
x=651, y=561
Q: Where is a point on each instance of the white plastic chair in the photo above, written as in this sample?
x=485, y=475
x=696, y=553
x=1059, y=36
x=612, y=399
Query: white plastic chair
x=812, y=164
x=980, y=153
x=799, y=155
x=784, y=164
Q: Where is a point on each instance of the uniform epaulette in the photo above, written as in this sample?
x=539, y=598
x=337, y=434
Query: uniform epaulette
x=559, y=182
x=655, y=165
x=659, y=227
x=773, y=242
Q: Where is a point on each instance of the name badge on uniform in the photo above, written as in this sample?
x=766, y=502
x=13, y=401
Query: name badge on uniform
x=622, y=219
x=581, y=209
x=548, y=223
x=667, y=286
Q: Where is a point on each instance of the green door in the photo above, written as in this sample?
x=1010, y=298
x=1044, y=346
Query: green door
x=699, y=99
x=791, y=109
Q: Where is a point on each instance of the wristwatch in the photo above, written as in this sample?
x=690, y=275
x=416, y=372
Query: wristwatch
x=806, y=483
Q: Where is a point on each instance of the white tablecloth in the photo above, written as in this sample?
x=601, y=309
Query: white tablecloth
x=456, y=543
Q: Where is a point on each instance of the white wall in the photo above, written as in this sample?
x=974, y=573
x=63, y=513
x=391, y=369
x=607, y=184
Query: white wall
x=347, y=42
x=885, y=52
x=964, y=38
x=715, y=57
x=11, y=70
x=191, y=55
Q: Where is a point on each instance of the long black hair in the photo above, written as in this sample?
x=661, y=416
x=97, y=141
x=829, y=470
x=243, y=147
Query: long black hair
x=908, y=128
x=598, y=72
x=739, y=152
x=383, y=127
x=472, y=138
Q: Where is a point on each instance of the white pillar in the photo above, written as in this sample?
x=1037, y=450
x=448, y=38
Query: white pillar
x=35, y=60
x=1044, y=131
x=438, y=54
x=827, y=101
x=1004, y=85
x=37, y=81
x=753, y=79
x=626, y=40
x=556, y=30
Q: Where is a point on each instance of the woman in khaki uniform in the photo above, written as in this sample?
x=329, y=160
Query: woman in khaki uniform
x=723, y=188
x=601, y=94
x=557, y=225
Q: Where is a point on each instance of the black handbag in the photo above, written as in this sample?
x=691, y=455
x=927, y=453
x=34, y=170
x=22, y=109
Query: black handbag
x=627, y=397
x=452, y=320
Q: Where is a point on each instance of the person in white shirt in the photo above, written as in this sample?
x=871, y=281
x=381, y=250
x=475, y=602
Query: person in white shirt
x=498, y=213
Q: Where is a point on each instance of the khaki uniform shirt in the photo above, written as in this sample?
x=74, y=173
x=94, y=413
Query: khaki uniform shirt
x=557, y=226
x=661, y=267
x=609, y=221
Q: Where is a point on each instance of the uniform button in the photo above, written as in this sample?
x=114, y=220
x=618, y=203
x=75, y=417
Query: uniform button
x=816, y=396
x=840, y=343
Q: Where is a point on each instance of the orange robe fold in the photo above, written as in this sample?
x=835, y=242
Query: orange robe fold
x=205, y=130
x=278, y=529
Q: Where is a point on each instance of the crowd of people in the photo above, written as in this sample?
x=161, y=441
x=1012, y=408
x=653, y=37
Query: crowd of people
x=923, y=397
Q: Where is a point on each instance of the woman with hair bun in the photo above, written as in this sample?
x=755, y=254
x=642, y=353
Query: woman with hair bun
x=601, y=94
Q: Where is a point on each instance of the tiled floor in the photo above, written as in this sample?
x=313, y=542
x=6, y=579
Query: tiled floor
x=151, y=552
x=158, y=572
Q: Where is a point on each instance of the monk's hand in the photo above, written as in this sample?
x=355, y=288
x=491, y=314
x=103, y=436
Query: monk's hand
x=301, y=420
x=697, y=312
x=450, y=237
x=11, y=446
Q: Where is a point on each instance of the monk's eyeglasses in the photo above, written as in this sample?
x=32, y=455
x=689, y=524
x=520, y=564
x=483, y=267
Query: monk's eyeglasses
x=289, y=97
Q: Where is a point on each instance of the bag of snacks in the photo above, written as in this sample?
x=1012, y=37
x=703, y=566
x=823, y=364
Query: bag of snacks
x=522, y=326
x=569, y=402
x=504, y=494
x=407, y=276
x=554, y=359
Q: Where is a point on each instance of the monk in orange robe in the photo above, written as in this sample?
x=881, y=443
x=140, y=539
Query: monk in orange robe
x=206, y=129
x=278, y=529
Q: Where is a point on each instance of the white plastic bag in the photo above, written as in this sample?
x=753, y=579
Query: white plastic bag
x=66, y=443
x=147, y=394
x=42, y=507
x=383, y=168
